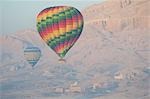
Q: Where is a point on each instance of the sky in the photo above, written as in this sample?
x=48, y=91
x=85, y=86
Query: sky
x=17, y=15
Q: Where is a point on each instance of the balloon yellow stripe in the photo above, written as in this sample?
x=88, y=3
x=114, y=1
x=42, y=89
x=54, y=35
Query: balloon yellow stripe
x=75, y=25
x=45, y=38
x=56, y=33
x=62, y=31
x=68, y=28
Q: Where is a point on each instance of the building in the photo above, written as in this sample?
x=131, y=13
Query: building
x=59, y=90
x=75, y=89
x=118, y=76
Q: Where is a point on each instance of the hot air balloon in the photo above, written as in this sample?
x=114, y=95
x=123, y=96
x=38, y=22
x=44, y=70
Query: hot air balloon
x=60, y=27
x=32, y=55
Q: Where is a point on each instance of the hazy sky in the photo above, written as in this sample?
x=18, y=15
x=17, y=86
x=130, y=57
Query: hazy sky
x=16, y=15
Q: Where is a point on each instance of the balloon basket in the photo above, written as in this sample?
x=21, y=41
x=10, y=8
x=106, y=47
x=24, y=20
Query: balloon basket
x=62, y=60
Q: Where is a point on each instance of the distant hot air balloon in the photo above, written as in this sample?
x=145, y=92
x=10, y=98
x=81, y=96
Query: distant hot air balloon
x=60, y=27
x=32, y=55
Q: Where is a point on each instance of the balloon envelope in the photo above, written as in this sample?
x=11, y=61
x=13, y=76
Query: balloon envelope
x=32, y=55
x=60, y=27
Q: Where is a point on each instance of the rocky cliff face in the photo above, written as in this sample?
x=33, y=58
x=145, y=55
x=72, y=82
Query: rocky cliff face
x=118, y=15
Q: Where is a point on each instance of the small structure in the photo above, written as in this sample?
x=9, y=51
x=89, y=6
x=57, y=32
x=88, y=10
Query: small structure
x=75, y=89
x=96, y=85
x=118, y=76
x=59, y=90
x=67, y=90
x=132, y=75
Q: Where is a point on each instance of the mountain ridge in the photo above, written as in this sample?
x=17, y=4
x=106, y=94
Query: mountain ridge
x=134, y=15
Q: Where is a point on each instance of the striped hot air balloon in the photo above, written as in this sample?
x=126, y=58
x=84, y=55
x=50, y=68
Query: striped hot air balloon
x=32, y=55
x=60, y=27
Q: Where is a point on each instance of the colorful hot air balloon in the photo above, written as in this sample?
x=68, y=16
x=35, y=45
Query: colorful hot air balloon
x=60, y=27
x=32, y=55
